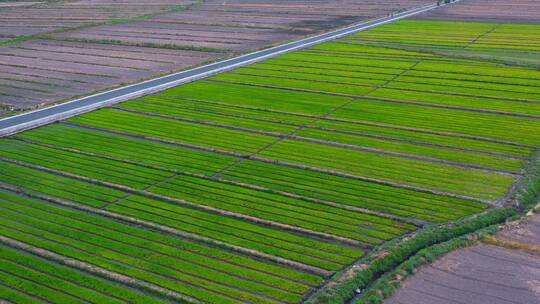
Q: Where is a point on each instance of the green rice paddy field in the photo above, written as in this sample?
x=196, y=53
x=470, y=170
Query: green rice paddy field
x=257, y=185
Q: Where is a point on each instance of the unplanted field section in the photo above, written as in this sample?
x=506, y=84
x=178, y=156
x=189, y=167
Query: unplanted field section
x=257, y=185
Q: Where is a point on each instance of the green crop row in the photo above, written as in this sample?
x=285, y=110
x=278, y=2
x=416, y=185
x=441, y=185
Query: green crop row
x=482, y=121
x=419, y=150
x=58, y=186
x=87, y=234
x=335, y=73
x=485, y=93
x=255, y=269
x=75, y=163
x=351, y=192
x=454, y=39
x=285, y=210
x=453, y=85
x=291, y=83
x=424, y=138
x=306, y=214
x=271, y=207
x=215, y=107
x=518, y=73
x=215, y=117
x=163, y=104
x=338, y=46
x=138, y=151
x=439, y=98
x=507, y=82
x=29, y=277
x=440, y=177
x=312, y=75
x=174, y=130
x=452, y=66
x=254, y=124
x=271, y=241
x=145, y=264
x=366, y=79
x=320, y=213
x=512, y=129
x=99, y=196
x=333, y=66
x=265, y=98
x=342, y=60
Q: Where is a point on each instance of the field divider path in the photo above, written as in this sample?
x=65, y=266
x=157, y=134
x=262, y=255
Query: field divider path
x=33, y=119
x=472, y=42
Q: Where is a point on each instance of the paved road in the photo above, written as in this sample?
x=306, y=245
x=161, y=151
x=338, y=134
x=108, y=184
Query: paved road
x=29, y=120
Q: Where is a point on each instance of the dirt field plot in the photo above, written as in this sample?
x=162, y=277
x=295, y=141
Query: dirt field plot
x=503, y=270
x=42, y=17
x=93, y=45
x=500, y=11
x=41, y=71
x=257, y=185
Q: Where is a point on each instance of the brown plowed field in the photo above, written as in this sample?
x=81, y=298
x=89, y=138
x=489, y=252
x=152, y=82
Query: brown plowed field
x=500, y=11
x=52, y=51
x=482, y=274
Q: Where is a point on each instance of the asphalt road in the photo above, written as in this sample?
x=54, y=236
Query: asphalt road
x=33, y=119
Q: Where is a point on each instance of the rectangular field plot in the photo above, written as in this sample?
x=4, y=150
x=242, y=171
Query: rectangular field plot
x=503, y=42
x=257, y=185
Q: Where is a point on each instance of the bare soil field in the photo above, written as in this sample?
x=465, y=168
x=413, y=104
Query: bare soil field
x=485, y=273
x=30, y=18
x=500, y=11
x=57, y=50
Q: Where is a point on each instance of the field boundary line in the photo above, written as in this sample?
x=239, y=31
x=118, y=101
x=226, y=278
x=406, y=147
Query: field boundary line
x=33, y=119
